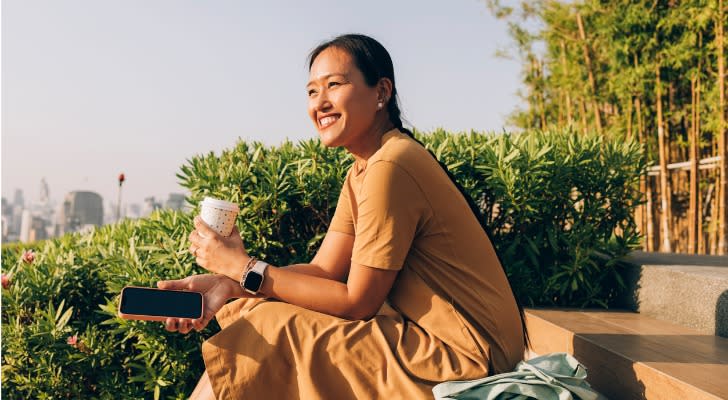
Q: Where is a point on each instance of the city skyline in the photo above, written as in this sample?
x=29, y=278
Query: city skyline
x=26, y=220
x=86, y=96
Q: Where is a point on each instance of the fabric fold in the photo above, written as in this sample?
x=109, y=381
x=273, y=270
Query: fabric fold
x=555, y=376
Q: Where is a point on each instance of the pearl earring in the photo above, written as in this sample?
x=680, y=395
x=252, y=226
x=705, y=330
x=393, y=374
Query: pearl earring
x=379, y=105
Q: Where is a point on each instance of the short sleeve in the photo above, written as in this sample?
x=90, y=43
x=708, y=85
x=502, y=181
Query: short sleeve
x=342, y=221
x=390, y=208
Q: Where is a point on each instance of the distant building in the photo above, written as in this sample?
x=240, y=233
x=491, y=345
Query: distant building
x=79, y=210
x=18, y=199
x=150, y=205
x=176, y=201
x=14, y=222
x=45, y=196
x=7, y=217
x=26, y=222
x=38, y=229
x=43, y=207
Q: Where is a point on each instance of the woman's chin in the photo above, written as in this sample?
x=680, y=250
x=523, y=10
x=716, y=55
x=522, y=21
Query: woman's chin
x=329, y=139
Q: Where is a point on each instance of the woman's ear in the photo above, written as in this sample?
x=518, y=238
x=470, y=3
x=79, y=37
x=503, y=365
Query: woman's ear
x=384, y=90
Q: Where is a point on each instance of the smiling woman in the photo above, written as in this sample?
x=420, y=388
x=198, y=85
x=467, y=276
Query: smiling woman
x=406, y=290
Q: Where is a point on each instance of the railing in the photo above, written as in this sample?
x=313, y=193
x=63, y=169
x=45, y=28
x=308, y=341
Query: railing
x=705, y=163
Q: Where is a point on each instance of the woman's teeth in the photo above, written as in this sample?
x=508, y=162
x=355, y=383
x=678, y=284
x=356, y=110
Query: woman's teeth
x=326, y=121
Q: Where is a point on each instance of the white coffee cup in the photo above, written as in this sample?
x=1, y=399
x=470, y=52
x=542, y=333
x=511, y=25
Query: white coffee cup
x=219, y=215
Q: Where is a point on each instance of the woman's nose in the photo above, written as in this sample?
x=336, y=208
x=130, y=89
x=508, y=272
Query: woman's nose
x=322, y=102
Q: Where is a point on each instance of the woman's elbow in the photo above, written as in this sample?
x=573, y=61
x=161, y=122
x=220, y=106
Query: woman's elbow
x=360, y=312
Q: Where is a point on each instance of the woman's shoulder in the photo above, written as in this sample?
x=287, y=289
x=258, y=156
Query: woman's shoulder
x=401, y=150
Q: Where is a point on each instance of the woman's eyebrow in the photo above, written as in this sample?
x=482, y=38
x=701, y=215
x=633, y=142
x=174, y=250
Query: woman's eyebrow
x=324, y=77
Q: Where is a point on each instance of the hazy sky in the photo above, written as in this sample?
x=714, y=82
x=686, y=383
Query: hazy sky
x=92, y=88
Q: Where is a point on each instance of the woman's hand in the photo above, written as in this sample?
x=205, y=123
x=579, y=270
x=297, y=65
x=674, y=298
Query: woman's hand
x=216, y=253
x=216, y=291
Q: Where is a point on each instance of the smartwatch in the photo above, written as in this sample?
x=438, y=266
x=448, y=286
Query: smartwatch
x=253, y=279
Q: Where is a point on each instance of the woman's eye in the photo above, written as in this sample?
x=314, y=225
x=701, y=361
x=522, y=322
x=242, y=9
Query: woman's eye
x=311, y=92
x=331, y=84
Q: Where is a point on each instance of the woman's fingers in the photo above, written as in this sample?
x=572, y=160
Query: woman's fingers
x=170, y=324
x=196, y=251
x=185, y=325
x=199, y=324
x=203, y=229
x=195, y=238
x=181, y=325
x=178, y=284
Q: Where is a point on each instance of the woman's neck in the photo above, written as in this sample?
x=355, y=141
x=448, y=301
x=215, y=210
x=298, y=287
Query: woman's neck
x=370, y=142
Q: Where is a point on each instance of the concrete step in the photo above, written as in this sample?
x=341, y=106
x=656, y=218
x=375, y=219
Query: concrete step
x=688, y=290
x=633, y=356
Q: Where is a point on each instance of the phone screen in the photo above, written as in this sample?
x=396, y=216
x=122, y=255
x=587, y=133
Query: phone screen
x=161, y=303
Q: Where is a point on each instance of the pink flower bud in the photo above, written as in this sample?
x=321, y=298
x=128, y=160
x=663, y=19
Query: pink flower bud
x=28, y=256
x=72, y=340
x=5, y=281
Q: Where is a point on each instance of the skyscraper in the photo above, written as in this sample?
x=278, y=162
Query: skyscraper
x=18, y=199
x=44, y=192
x=7, y=218
x=175, y=201
x=26, y=222
x=80, y=209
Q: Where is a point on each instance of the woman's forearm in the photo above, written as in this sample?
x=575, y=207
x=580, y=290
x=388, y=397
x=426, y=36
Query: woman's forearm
x=310, y=291
x=324, y=282
x=313, y=270
x=304, y=269
x=301, y=285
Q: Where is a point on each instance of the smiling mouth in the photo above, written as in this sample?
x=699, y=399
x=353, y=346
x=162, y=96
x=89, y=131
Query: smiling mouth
x=327, y=121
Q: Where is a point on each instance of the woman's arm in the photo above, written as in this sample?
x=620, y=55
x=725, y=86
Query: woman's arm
x=333, y=259
x=318, y=286
x=359, y=298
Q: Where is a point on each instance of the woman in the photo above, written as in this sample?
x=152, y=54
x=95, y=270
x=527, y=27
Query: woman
x=406, y=290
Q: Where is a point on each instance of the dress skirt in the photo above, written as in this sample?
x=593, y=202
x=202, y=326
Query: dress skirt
x=274, y=350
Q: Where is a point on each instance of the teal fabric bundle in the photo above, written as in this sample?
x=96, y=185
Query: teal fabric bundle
x=555, y=376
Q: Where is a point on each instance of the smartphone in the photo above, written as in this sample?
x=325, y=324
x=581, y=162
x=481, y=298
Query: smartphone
x=150, y=304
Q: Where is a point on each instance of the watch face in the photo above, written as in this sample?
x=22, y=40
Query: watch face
x=253, y=281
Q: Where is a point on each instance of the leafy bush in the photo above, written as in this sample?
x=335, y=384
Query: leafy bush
x=61, y=337
x=559, y=207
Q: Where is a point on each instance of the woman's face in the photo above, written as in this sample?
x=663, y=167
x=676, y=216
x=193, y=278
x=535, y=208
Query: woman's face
x=340, y=103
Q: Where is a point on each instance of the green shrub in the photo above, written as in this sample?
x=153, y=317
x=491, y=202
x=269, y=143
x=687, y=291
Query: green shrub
x=559, y=207
x=70, y=290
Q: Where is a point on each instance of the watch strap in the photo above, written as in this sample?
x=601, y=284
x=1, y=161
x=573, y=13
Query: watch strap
x=248, y=266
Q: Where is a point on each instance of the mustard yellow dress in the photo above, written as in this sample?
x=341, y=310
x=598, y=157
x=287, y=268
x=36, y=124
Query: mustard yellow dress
x=449, y=316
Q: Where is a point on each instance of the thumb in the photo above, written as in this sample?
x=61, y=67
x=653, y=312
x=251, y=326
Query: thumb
x=178, y=284
x=235, y=231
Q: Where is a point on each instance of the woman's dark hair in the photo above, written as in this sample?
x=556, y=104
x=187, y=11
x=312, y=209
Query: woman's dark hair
x=374, y=62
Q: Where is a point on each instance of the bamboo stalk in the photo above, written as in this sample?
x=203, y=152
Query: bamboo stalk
x=590, y=73
x=701, y=241
x=645, y=186
x=584, y=124
x=540, y=94
x=700, y=234
x=629, y=119
x=693, y=209
x=665, y=244
x=722, y=226
x=565, y=69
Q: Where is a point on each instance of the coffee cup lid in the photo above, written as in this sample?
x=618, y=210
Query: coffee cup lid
x=221, y=204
